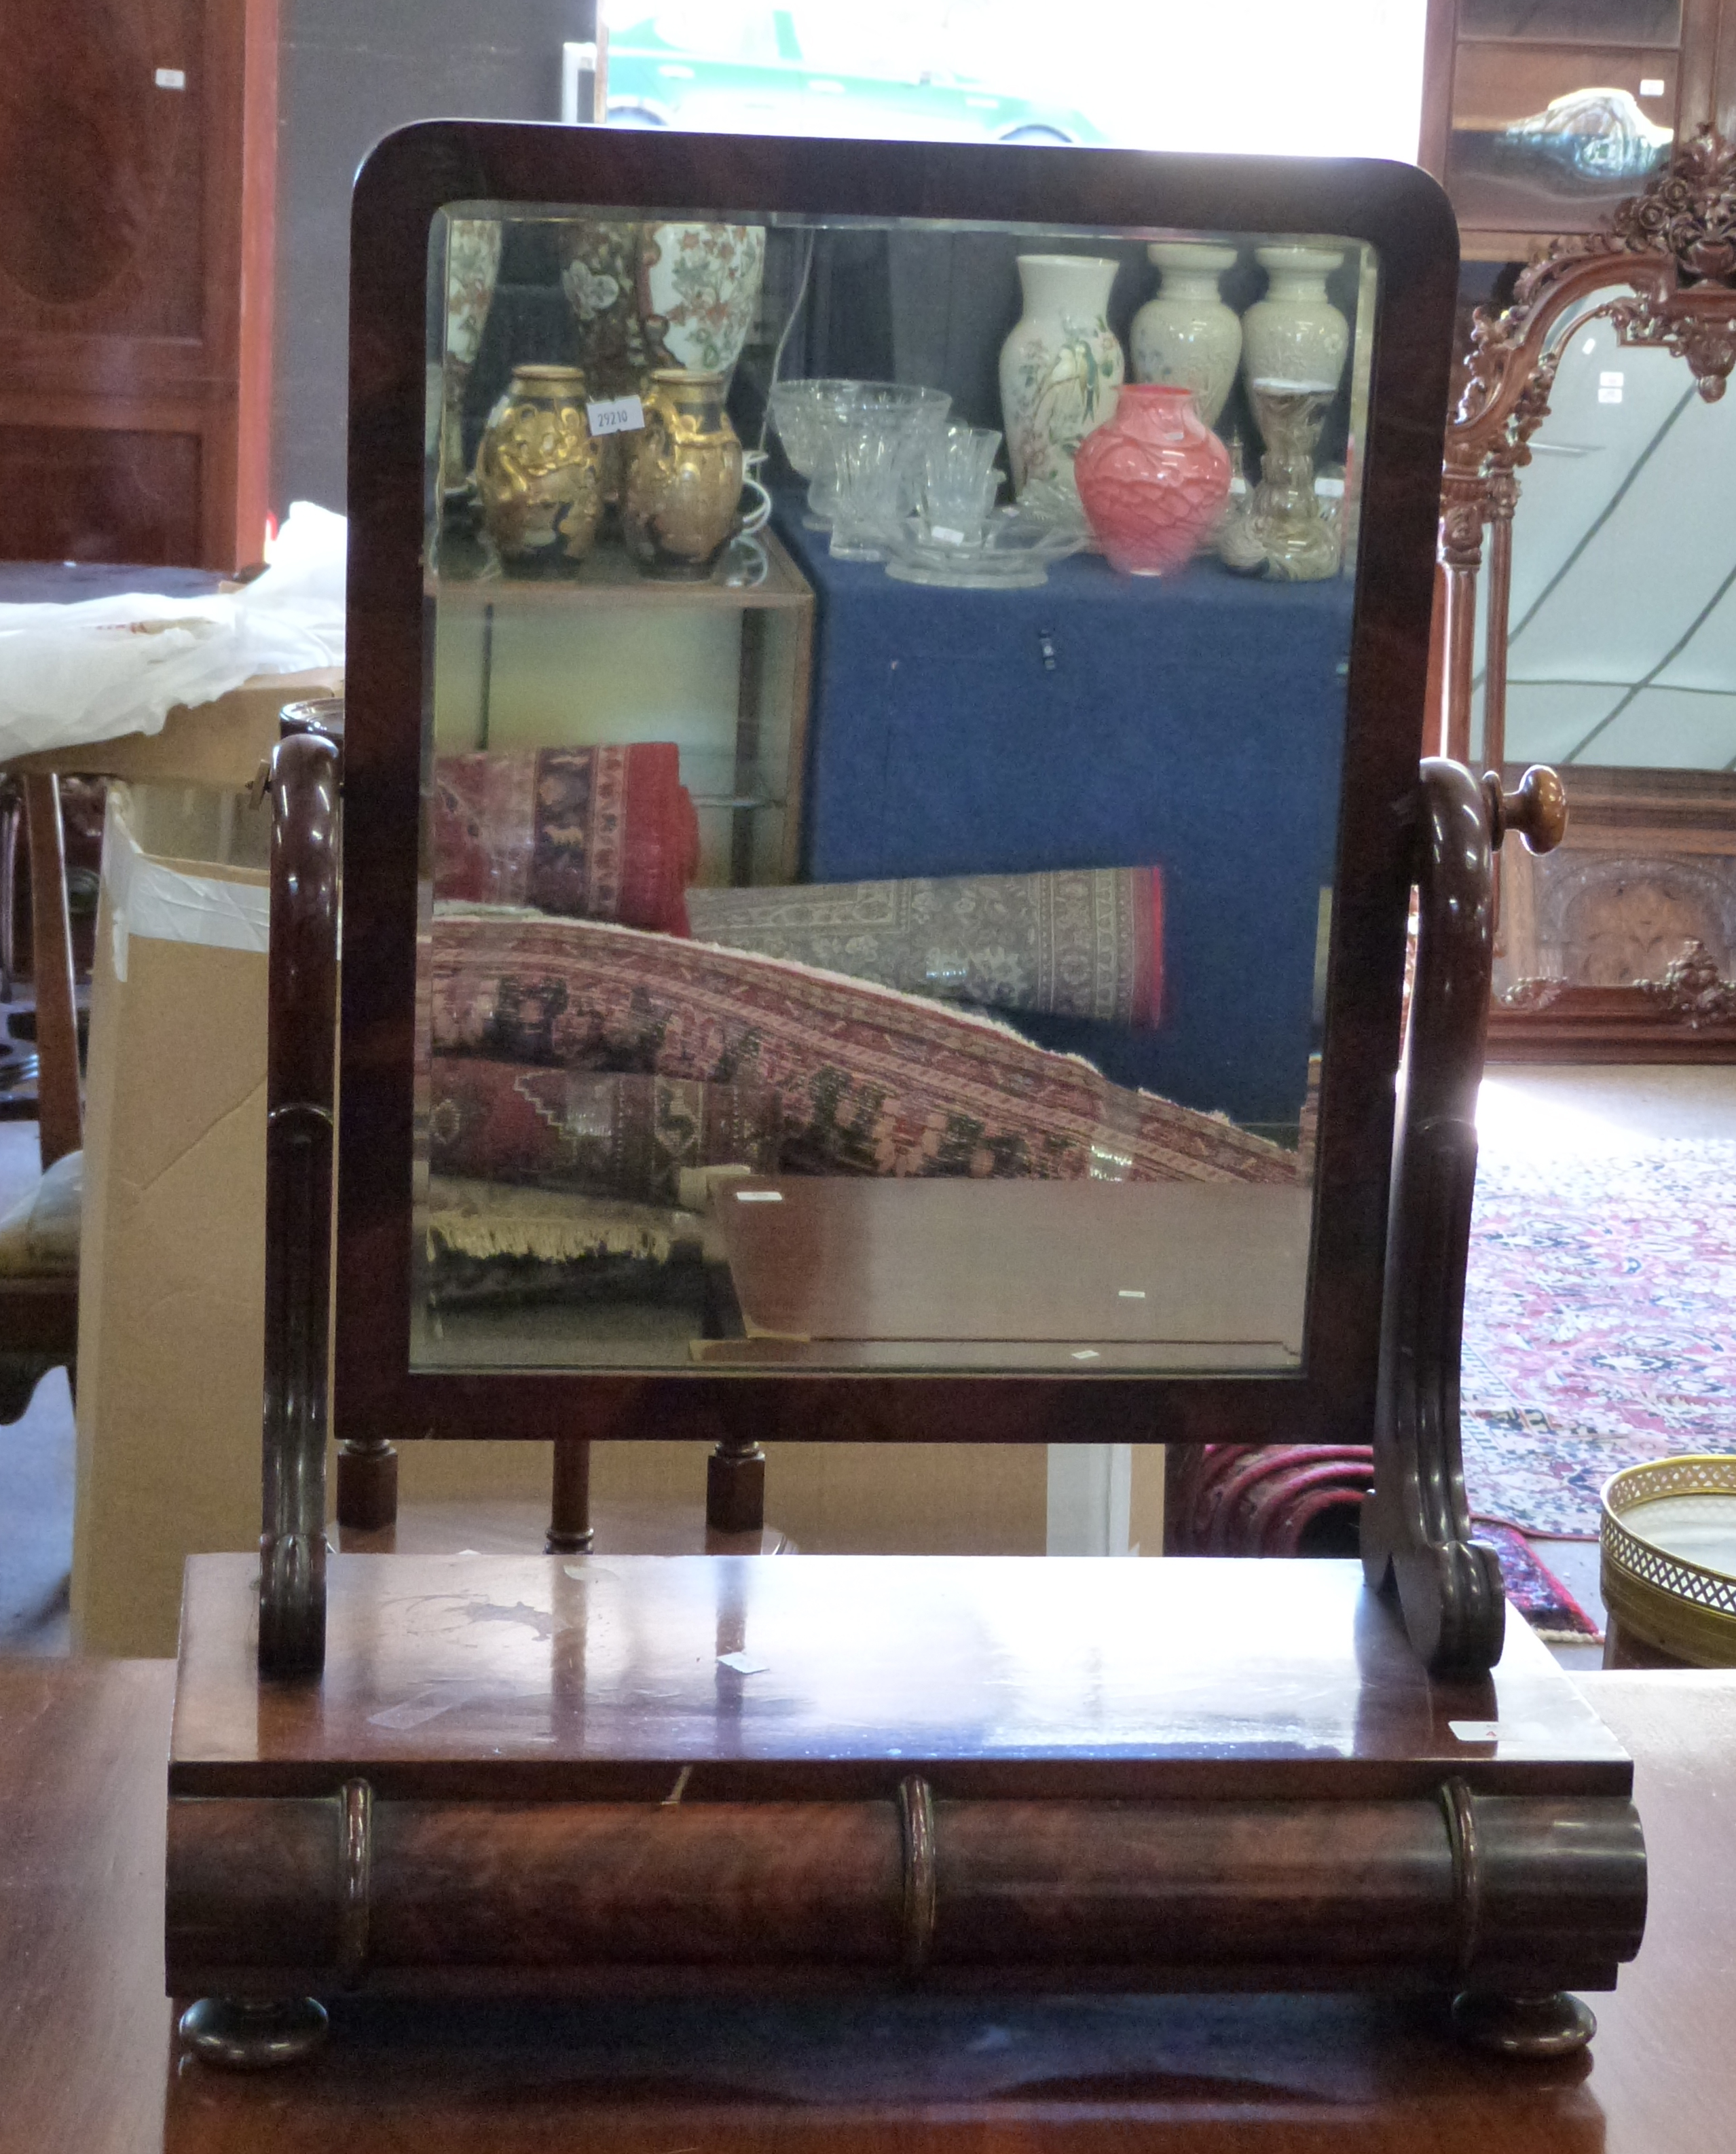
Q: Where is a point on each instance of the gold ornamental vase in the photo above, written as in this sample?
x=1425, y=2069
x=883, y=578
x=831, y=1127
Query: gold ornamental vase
x=682, y=502
x=539, y=472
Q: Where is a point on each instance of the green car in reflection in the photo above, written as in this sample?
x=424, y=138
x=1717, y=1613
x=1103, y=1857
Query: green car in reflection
x=815, y=70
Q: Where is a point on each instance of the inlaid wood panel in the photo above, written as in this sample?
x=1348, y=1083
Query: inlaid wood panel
x=137, y=174
x=86, y=494
x=102, y=157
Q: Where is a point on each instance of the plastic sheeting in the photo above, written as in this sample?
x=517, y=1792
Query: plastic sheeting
x=101, y=668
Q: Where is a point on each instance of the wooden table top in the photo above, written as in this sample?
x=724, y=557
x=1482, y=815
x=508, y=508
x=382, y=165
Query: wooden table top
x=87, y=2064
x=833, y=1676
x=1139, y=1274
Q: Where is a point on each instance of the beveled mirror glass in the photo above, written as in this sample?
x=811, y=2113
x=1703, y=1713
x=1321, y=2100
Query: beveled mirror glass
x=884, y=742
x=1621, y=648
x=880, y=787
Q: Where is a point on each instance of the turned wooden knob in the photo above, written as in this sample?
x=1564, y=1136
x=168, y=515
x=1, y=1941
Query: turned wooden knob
x=1537, y=809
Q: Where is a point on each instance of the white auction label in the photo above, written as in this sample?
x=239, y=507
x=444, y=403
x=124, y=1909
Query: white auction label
x=616, y=415
x=943, y=535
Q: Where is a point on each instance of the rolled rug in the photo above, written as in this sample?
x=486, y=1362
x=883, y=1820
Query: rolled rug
x=872, y=1081
x=611, y=1134
x=603, y=833
x=1083, y=942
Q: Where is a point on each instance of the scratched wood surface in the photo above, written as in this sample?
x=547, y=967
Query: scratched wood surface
x=86, y=2060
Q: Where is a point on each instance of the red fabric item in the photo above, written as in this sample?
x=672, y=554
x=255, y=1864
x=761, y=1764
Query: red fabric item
x=872, y=1081
x=594, y=832
x=615, y=1136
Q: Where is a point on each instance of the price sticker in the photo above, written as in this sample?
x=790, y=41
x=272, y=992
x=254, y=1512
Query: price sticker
x=944, y=535
x=615, y=415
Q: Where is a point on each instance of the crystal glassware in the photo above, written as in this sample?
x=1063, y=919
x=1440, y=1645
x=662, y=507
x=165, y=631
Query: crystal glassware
x=906, y=414
x=957, y=484
x=867, y=453
x=795, y=408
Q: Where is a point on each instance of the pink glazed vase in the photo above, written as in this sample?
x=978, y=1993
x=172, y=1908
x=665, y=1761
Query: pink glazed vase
x=1154, y=481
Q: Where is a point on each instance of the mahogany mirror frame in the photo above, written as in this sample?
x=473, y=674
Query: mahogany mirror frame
x=1664, y=275
x=413, y=174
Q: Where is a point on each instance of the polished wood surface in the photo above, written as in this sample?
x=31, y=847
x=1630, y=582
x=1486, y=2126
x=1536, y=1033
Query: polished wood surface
x=84, y=2024
x=137, y=165
x=533, y=1777
x=1621, y=948
x=605, y=1675
x=87, y=2060
x=301, y=1080
x=1415, y=1524
x=1151, y=1264
x=403, y=183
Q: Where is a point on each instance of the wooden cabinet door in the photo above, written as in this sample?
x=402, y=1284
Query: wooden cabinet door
x=137, y=156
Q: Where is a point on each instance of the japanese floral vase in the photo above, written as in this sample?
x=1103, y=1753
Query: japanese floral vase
x=1154, y=481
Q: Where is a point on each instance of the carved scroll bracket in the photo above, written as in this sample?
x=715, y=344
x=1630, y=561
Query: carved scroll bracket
x=1415, y=1527
x=300, y=1088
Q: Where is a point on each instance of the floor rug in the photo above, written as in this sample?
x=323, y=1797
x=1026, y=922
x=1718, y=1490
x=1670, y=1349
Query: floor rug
x=1534, y=1588
x=1600, y=1323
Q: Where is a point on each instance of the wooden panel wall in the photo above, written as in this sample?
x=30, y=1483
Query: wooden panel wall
x=137, y=159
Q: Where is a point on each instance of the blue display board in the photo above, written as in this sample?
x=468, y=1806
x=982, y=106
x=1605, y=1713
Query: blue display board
x=1196, y=723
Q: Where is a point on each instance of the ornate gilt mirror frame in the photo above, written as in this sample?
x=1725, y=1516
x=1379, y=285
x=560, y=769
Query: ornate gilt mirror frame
x=1663, y=275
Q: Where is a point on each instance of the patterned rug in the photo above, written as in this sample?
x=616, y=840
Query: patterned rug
x=1087, y=943
x=872, y=1081
x=601, y=833
x=1600, y=1323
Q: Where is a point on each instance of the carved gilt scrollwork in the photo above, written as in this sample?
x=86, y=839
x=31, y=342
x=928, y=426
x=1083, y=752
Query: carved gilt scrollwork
x=1664, y=275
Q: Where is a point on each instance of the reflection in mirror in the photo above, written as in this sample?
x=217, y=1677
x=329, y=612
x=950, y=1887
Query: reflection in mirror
x=1551, y=129
x=882, y=789
x=1621, y=621
x=1620, y=671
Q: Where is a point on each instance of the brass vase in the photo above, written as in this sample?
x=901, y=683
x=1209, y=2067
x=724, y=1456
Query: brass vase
x=539, y=473
x=683, y=497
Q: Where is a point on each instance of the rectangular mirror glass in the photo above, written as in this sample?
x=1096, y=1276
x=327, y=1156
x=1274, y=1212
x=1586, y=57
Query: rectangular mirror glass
x=883, y=728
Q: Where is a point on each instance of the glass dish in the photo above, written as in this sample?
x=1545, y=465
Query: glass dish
x=1012, y=553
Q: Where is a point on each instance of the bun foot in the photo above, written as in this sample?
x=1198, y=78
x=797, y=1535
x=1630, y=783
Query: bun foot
x=1551, y=2024
x=252, y=2038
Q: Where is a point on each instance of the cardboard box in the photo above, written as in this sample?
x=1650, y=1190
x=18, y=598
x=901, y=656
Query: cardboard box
x=172, y=1287
x=172, y=1262
x=219, y=744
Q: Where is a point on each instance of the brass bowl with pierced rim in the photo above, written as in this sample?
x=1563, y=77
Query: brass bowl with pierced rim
x=1668, y=1538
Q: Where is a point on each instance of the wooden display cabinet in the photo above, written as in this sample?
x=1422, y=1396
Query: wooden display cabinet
x=1670, y=66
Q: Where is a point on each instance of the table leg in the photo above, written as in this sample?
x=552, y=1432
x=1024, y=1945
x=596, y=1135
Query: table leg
x=12, y=812
x=59, y=1113
x=569, y=1518
x=736, y=1487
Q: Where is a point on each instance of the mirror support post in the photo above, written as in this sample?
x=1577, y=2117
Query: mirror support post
x=1463, y=511
x=1503, y=498
x=300, y=1099
x=1415, y=1523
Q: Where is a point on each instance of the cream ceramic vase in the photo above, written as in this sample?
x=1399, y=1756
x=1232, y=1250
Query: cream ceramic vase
x=1294, y=334
x=1060, y=370
x=1186, y=338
